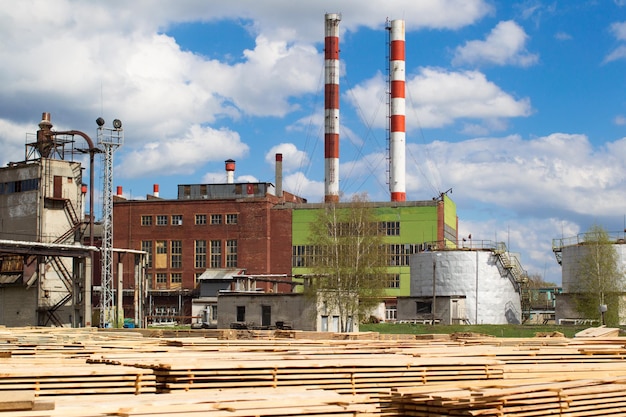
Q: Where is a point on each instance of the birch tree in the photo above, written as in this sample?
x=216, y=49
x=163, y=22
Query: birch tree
x=349, y=262
x=599, y=279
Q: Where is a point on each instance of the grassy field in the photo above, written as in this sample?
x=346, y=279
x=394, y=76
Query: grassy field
x=505, y=330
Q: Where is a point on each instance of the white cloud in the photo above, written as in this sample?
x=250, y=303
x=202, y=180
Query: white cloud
x=620, y=120
x=556, y=173
x=616, y=54
x=293, y=158
x=436, y=98
x=563, y=36
x=505, y=45
x=12, y=140
x=182, y=155
x=618, y=30
x=298, y=184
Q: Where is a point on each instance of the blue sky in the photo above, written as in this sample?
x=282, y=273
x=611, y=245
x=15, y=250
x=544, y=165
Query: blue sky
x=519, y=107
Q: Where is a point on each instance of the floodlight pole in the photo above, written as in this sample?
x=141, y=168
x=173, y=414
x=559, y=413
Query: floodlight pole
x=110, y=139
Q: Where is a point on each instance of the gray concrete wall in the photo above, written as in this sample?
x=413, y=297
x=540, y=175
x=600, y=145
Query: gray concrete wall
x=490, y=298
x=18, y=306
x=293, y=308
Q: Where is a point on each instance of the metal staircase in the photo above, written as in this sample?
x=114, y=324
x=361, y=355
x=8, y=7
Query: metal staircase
x=510, y=267
x=66, y=278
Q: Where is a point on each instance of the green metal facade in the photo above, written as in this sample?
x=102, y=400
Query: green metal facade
x=420, y=223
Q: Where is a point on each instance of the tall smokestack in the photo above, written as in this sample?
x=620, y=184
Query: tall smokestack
x=155, y=190
x=397, y=110
x=279, y=175
x=331, y=109
x=230, y=171
x=119, y=191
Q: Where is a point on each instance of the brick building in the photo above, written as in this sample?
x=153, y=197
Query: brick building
x=242, y=226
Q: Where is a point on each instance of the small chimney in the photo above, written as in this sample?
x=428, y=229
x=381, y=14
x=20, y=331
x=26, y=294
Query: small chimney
x=119, y=190
x=230, y=171
x=279, y=175
x=155, y=190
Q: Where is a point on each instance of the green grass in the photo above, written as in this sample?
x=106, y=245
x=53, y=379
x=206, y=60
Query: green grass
x=505, y=330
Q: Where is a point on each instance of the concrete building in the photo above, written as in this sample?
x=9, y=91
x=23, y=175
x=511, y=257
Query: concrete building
x=481, y=284
x=44, y=271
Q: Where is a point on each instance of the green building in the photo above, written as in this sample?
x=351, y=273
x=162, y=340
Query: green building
x=409, y=227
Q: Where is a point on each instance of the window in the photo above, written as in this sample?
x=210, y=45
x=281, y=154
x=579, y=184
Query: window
x=393, y=281
x=146, y=220
x=161, y=220
x=177, y=254
x=241, y=313
x=391, y=312
x=160, y=259
x=146, y=246
x=149, y=281
x=176, y=278
x=216, y=219
x=303, y=255
x=231, y=253
x=161, y=278
x=177, y=219
x=216, y=254
x=390, y=228
x=200, y=254
x=423, y=307
x=200, y=218
x=398, y=255
x=198, y=274
x=161, y=246
x=231, y=218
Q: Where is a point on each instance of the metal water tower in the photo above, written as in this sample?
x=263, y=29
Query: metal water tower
x=109, y=139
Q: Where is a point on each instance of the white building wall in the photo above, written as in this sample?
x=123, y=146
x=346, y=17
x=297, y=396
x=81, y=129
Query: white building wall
x=490, y=298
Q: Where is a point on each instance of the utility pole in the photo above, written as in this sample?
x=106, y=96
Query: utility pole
x=110, y=139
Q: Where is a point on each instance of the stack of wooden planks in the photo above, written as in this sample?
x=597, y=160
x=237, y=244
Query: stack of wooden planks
x=594, y=397
x=233, y=403
x=96, y=373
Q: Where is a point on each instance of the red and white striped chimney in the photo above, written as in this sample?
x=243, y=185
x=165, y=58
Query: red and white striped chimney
x=331, y=109
x=230, y=171
x=155, y=190
x=397, y=116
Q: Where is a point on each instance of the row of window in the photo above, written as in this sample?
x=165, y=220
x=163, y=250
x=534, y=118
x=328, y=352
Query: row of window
x=207, y=254
x=353, y=229
x=19, y=186
x=303, y=256
x=200, y=219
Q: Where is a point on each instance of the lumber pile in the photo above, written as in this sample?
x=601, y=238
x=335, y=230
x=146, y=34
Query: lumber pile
x=233, y=403
x=96, y=373
x=594, y=397
x=43, y=377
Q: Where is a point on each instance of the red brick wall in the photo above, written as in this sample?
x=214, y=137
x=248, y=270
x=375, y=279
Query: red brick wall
x=263, y=234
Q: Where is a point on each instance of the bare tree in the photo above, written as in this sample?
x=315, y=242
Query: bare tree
x=599, y=280
x=348, y=260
